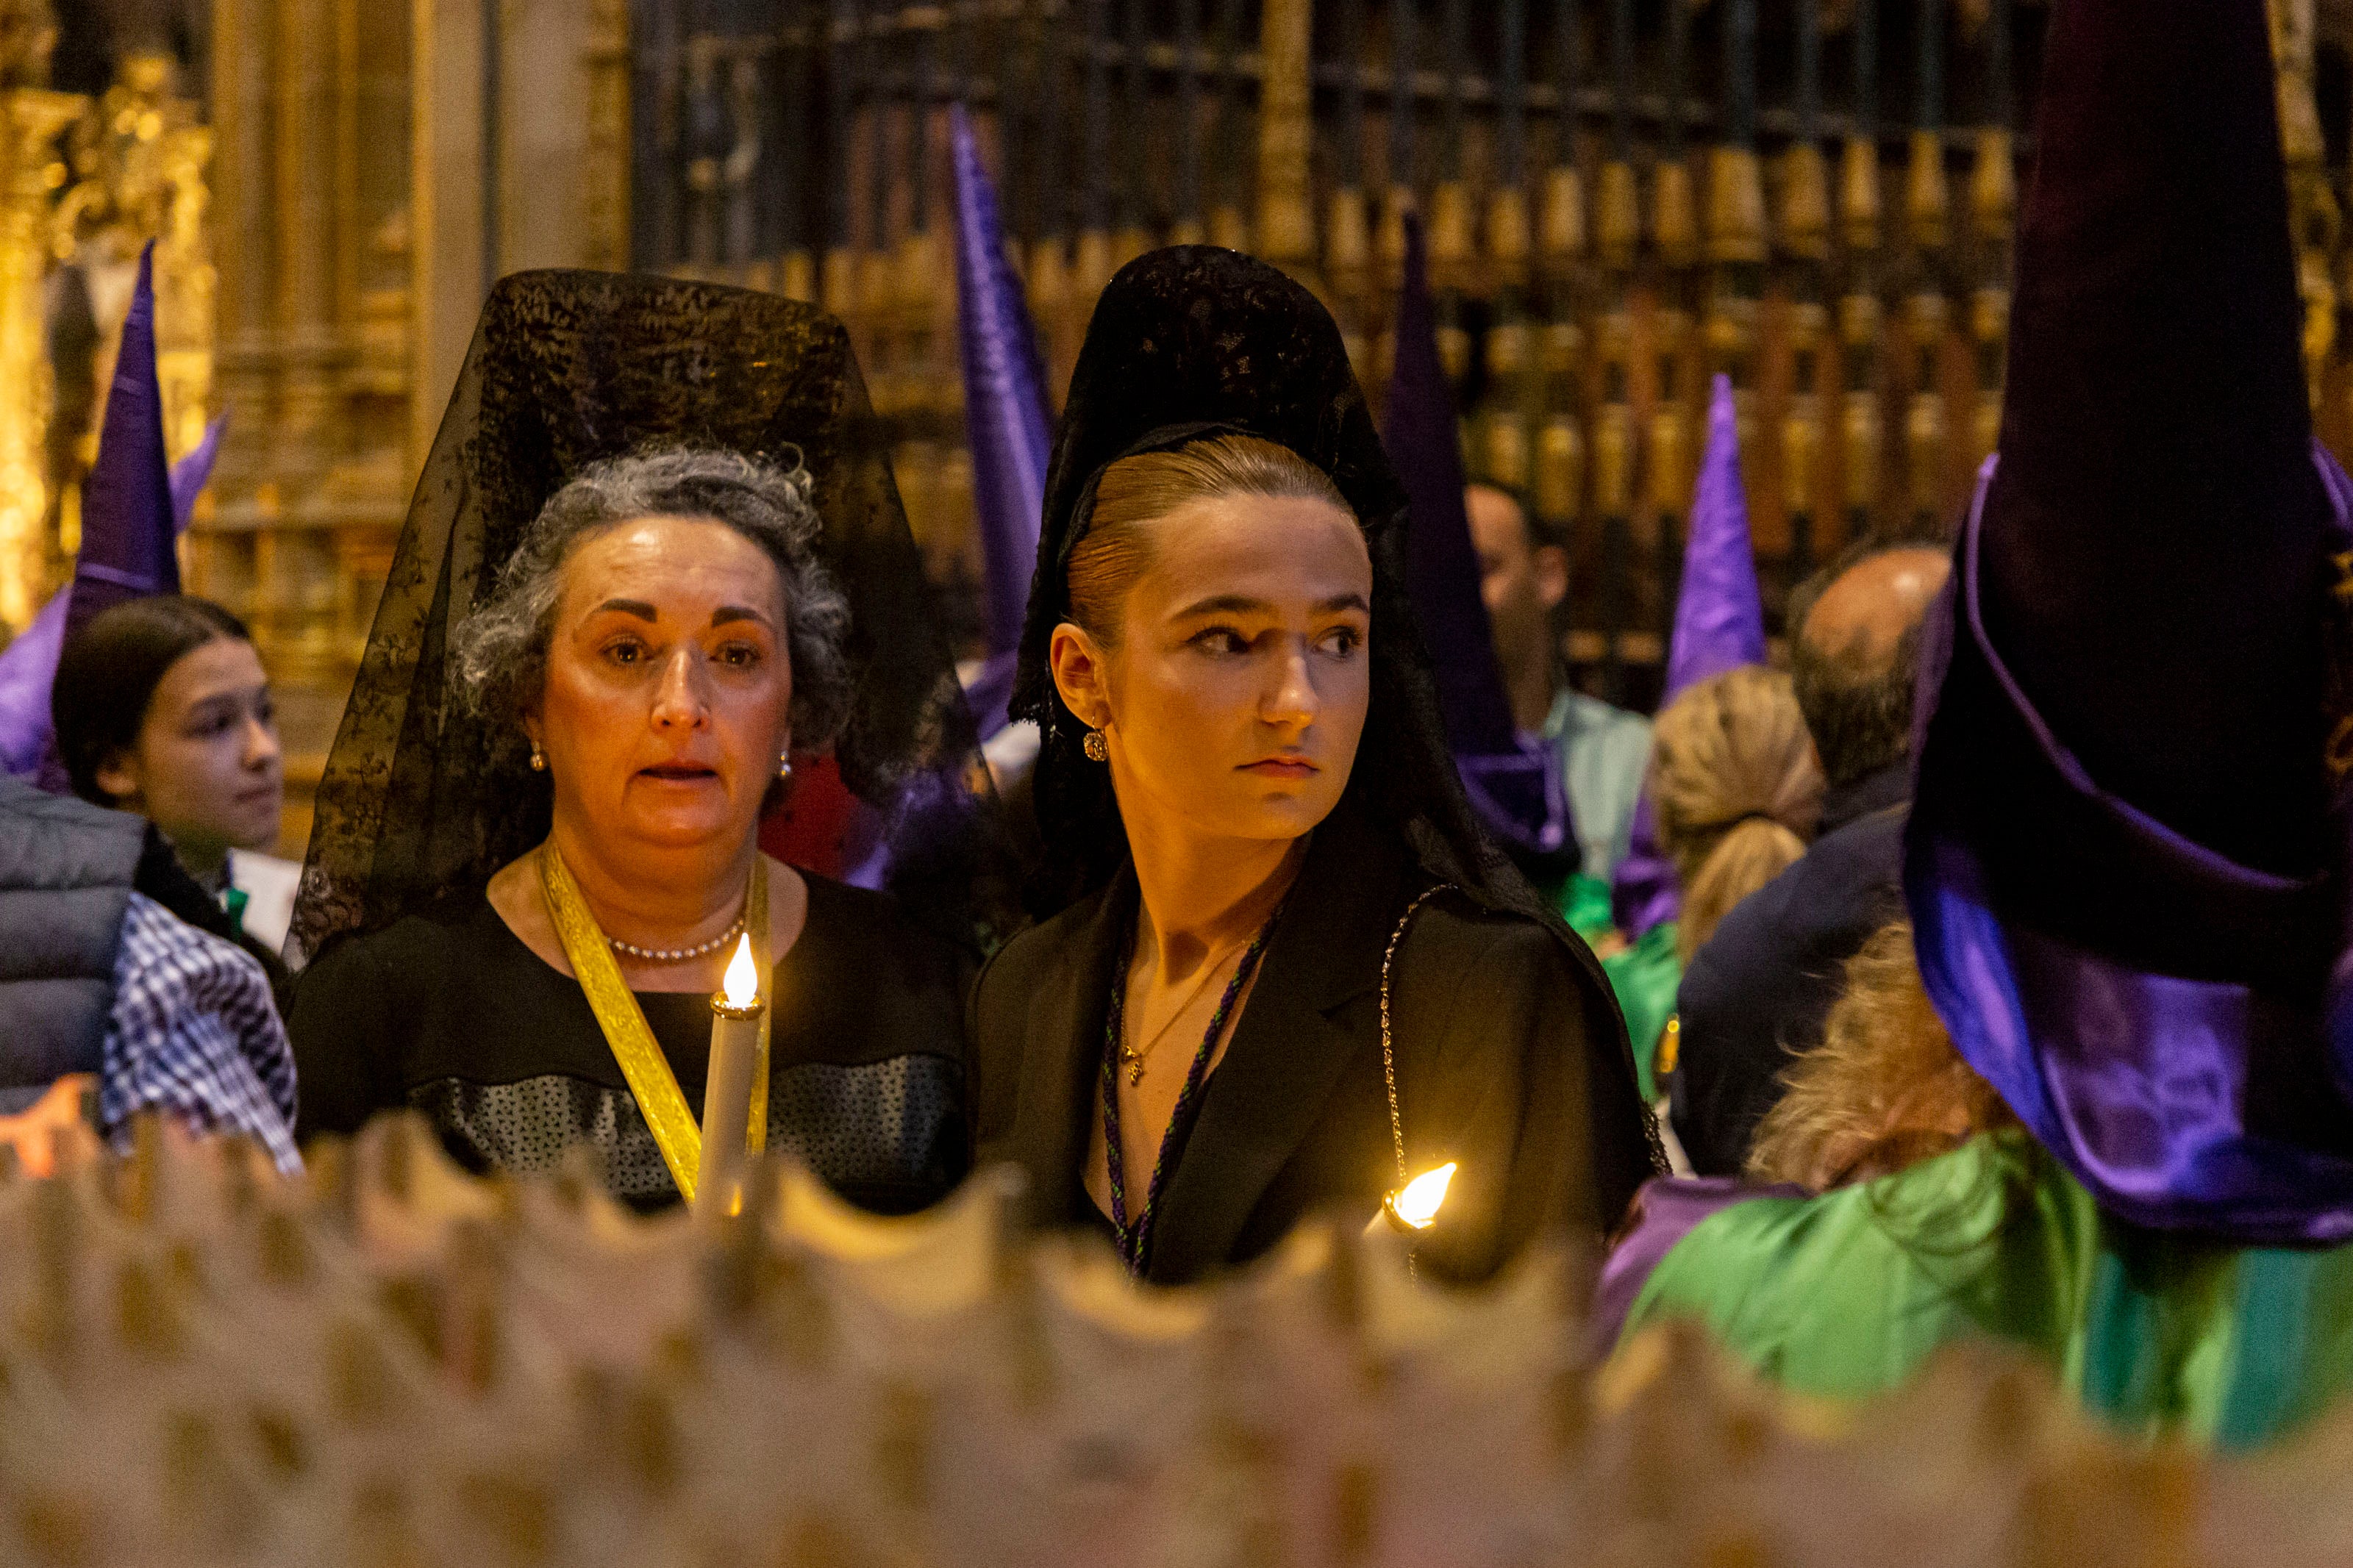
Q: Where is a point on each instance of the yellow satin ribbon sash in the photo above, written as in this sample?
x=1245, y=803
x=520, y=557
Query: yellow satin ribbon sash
x=675, y=1129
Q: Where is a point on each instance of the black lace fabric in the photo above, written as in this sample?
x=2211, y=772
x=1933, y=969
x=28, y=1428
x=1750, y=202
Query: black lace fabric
x=421, y=800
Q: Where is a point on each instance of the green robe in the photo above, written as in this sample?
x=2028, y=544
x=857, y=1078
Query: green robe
x=1847, y=1294
x=1645, y=975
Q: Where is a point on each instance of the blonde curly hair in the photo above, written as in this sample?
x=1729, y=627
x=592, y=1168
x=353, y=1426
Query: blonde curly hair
x=1885, y=1090
x=1736, y=789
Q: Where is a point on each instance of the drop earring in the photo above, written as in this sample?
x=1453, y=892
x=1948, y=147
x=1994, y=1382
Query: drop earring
x=1097, y=748
x=538, y=759
x=785, y=766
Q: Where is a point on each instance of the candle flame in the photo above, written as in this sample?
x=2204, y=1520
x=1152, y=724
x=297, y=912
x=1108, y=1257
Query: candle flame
x=1416, y=1201
x=742, y=988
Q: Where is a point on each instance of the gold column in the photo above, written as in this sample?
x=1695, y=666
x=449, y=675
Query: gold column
x=243, y=49
x=295, y=560
x=607, y=173
x=34, y=119
x=1286, y=220
x=310, y=182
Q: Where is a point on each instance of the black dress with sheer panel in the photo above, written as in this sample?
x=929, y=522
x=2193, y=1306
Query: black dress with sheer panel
x=448, y=1012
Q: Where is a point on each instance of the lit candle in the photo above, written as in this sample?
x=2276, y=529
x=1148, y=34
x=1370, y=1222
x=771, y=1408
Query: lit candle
x=1415, y=1205
x=735, y=1014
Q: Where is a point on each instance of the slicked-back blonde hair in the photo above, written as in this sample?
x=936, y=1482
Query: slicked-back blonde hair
x=1737, y=790
x=1116, y=548
x=1885, y=1090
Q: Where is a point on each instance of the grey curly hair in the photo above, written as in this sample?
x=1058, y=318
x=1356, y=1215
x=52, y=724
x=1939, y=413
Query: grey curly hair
x=500, y=652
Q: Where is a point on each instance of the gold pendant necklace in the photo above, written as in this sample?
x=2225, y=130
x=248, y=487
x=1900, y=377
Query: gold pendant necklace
x=1132, y=1058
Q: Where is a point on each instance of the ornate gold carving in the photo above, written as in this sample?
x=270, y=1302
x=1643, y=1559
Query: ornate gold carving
x=30, y=179
x=28, y=32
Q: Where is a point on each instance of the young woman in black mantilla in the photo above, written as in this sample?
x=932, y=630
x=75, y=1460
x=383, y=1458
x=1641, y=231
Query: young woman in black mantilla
x=1251, y=811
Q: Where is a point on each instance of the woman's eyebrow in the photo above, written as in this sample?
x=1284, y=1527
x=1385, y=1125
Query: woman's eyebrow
x=637, y=608
x=1224, y=604
x=726, y=613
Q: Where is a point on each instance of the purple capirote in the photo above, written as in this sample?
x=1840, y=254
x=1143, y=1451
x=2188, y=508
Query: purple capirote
x=135, y=506
x=1007, y=418
x=1719, y=624
x=1514, y=781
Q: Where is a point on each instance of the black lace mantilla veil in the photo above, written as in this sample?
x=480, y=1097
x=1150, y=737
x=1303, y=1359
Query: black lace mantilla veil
x=1195, y=341
x=421, y=800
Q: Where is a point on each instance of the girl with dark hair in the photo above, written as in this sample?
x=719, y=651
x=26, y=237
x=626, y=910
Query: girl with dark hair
x=1284, y=970
x=161, y=706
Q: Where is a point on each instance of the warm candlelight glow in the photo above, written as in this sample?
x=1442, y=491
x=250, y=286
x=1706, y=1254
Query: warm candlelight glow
x=1416, y=1201
x=742, y=990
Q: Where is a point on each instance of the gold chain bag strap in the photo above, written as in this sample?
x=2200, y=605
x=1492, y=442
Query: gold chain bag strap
x=632, y=1040
x=1388, y=1049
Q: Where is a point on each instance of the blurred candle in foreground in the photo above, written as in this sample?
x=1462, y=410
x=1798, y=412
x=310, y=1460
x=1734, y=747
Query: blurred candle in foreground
x=735, y=1015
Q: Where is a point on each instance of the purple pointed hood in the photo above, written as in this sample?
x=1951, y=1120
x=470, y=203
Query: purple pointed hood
x=127, y=531
x=2127, y=860
x=1513, y=780
x=117, y=550
x=1007, y=418
x=1719, y=624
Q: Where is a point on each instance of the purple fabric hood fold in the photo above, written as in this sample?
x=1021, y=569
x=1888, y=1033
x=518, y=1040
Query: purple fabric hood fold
x=2126, y=864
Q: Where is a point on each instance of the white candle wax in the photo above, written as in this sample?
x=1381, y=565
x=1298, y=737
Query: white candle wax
x=736, y=1014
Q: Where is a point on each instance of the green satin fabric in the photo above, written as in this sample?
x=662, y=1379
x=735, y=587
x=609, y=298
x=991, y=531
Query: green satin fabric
x=1645, y=976
x=1846, y=1295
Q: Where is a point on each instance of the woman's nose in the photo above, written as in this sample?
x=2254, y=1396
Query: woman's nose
x=680, y=698
x=1292, y=700
x=261, y=747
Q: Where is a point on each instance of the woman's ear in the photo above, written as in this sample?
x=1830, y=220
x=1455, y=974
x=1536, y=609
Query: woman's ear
x=119, y=777
x=1080, y=674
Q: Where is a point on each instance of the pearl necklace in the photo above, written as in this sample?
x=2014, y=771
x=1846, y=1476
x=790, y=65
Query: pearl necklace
x=680, y=954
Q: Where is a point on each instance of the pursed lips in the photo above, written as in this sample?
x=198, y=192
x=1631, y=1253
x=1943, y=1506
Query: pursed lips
x=1282, y=767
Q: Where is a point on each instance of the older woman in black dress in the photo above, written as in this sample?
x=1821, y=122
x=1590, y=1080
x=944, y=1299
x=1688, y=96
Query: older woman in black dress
x=542, y=818
x=1283, y=971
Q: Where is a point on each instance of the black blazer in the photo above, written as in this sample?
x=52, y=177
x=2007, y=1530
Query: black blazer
x=1511, y=1059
